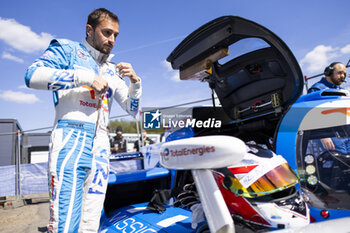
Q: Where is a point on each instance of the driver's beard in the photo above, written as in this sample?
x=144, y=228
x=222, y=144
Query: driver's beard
x=99, y=47
x=336, y=81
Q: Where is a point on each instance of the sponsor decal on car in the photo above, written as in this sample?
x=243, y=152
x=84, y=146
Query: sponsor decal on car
x=132, y=225
x=345, y=111
x=187, y=151
x=165, y=154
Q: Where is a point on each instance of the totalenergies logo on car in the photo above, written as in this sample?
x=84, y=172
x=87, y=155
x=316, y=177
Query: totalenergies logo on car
x=165, y=154
x=192, y=151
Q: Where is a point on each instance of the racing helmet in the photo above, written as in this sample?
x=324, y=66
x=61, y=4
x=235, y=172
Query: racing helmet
x=260, y=191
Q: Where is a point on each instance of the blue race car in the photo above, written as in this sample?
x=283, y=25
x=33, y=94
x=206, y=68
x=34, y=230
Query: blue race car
x=324, y=174
x=204, y=185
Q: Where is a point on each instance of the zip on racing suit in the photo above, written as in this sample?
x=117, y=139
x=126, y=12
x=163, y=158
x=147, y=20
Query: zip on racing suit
x=78, y=162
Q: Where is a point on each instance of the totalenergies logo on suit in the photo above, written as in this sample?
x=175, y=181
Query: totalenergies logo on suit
x=105, y=98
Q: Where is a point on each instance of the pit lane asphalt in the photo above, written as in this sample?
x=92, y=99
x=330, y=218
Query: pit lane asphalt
x=28, y=218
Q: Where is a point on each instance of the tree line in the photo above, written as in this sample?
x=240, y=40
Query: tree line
x=130, y=127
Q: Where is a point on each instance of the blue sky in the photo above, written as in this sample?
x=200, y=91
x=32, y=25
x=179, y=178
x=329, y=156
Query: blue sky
x=317, y=32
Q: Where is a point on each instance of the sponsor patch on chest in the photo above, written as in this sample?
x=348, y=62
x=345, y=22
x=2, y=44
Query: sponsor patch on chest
x=88, y=104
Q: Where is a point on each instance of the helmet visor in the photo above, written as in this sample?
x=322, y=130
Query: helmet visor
x=279, y=178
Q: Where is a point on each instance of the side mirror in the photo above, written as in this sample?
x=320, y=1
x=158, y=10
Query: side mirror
x=200, y=154
x=208, y=152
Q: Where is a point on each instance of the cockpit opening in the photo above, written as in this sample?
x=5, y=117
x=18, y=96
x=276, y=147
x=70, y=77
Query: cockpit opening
x=324, y=166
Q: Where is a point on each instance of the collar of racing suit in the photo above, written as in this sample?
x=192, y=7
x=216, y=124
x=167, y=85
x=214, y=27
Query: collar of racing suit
x=99, y=57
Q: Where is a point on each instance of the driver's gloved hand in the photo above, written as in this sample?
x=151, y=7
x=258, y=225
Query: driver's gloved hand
x=188, y=197
x=197, y=215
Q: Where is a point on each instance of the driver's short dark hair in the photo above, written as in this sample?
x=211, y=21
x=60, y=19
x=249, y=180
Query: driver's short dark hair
x=94, y=17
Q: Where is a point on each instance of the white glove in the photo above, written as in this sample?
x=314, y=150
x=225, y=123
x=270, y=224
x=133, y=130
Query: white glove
x=197, y=215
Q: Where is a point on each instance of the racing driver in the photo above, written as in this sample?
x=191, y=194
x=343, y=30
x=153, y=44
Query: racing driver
x=83, y=82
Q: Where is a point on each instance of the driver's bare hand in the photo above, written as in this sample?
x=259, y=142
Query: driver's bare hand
x=99, y=84
x=125, y=69
x=327, y=143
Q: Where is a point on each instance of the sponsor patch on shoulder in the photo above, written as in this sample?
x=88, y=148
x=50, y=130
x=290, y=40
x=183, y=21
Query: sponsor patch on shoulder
x=81, y=54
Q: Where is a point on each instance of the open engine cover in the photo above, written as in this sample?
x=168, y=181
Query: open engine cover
x=257, y=86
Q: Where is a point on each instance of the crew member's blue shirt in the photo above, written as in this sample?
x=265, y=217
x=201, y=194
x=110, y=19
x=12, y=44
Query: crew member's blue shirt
x=341, y=144
x=323, y=84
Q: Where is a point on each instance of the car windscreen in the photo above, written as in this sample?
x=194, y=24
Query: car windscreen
x=323, y=160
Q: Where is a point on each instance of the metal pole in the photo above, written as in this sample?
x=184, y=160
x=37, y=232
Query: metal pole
x=18, y=166
x=306, y=84
x=138, y=130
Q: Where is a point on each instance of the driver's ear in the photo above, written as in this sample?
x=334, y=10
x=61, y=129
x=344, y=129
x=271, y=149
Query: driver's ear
x=89, y=30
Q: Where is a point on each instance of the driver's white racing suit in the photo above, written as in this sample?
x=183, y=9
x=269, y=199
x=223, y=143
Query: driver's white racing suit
x=78, y=162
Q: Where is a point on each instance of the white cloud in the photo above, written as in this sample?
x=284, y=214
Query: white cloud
x=21, y=37
x=18, y=97
x=11, y=57
x=321, y=56
x=23, y=86
x=170, y=73
x=346, y=49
